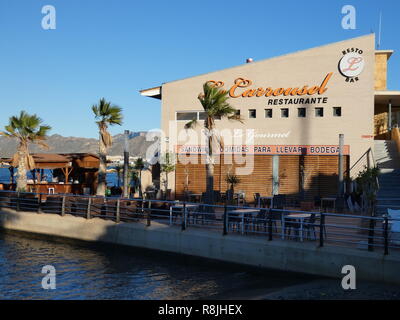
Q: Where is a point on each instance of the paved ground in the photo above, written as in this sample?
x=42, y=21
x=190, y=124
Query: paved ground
x=331, y=289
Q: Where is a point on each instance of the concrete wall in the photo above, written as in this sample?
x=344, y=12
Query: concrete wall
x=290, y=256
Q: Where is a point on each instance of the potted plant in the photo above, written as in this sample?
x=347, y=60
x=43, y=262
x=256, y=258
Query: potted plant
x=232, y=181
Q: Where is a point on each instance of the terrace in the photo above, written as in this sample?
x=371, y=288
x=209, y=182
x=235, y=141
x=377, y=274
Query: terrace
x=308, y=225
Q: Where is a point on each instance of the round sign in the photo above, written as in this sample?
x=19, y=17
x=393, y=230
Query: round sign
x=351, y=64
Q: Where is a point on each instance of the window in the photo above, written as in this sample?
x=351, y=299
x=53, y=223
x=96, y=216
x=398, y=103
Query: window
x=186, y=116
x=284, y=113
x=268, y=113
x=337, y=111
x=252, y=113
x=319, y=112
x=192, y=115
x=202, y=115
x=237, y=112
x=301, y=112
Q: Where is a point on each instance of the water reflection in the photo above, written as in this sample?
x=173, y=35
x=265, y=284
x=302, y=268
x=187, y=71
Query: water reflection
x=86, y=271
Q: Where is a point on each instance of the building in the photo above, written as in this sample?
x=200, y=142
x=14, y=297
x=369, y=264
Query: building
x=71, y=173
x=294, y=108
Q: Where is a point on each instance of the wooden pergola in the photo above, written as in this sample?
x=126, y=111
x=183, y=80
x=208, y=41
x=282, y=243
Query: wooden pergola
x=79, y=166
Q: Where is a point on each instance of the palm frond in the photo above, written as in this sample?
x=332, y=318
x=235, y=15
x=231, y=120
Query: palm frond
x=26, y=127
x=191, y=124
x=107, y=113
x=214, y=102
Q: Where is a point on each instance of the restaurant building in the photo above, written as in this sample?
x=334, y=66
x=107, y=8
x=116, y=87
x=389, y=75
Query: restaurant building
x=293, y=108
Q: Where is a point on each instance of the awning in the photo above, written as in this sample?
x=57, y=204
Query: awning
x=152, y=92
x=384, y=96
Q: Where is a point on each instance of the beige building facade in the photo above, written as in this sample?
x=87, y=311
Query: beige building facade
x=292, y=106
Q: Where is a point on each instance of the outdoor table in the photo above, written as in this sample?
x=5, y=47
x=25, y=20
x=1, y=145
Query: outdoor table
x=329, y=200
x=242, y=213
x=149, y=194
x=295, y=216
x=261, y=199
x=180, y=206
x=196, y=196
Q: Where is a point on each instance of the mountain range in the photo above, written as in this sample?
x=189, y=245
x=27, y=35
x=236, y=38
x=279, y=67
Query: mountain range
x=58, y=144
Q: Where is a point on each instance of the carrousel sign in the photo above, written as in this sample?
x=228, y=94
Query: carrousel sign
x=302, y=94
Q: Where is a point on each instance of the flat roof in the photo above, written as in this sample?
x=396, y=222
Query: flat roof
x=384, y=96
x=154, y=92
x=388, y=52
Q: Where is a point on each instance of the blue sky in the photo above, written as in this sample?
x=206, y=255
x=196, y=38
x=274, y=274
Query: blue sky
x=112, y=49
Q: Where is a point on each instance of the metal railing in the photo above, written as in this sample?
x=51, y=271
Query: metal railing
x=288, y=224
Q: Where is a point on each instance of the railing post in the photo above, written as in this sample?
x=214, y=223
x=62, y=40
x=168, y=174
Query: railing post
x=321, y=229
x=18, y=206
x=270, y=226
x=371, y=235
x=118, y=212
x=88, y=208
x=148, y=215
x=385, y=235
x=184, y=217
x=63, y=206
x=170, y=215
x=225, y=220
x=39, y=209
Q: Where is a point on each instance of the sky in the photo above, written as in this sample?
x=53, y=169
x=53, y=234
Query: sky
x=114, y=48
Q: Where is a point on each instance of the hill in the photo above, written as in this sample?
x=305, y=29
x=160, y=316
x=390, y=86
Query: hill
x=59, y=144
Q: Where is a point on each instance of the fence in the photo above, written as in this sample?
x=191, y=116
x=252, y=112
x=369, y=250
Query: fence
x=288, y=224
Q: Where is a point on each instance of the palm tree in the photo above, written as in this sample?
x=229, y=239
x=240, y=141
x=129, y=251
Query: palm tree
x=118, y=170
x=27, y=129
x=139, y=166
x=215, y=105
x=167, y=166
x=106, y=114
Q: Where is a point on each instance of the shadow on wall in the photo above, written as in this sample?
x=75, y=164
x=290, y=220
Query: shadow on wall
x=300, y=177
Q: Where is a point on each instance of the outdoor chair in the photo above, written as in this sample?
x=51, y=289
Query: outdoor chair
x=260, y=221
x=317, y=202
x=217, y=196
x=309, y=227
x=234, y=220
x=256, y=198
x=279, y=201
x=228, y=196
x=291, y=224
x=241, y=198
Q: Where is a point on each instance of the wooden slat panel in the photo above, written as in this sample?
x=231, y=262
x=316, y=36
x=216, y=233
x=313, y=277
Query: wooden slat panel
x=320, y=176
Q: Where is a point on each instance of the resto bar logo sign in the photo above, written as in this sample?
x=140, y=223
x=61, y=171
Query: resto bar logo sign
x=351, y=64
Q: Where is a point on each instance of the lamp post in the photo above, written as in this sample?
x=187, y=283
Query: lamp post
x=126, y=163
x=340, y=202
